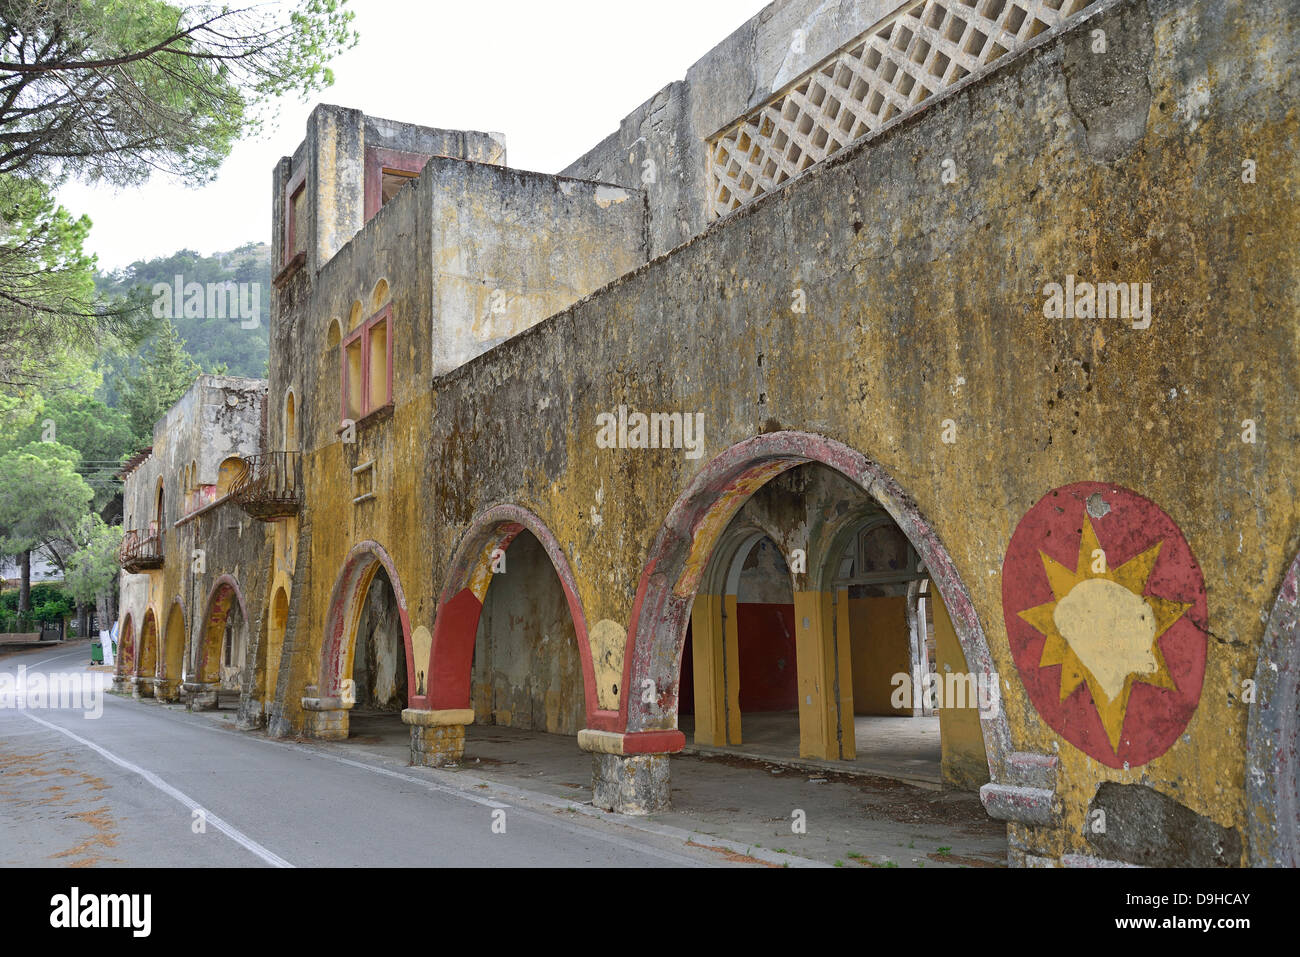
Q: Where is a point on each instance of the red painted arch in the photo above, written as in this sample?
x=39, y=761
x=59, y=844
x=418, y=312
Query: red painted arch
x=148, y=645
x=223, y=594
x=350, y=588
x=682, y=549
x=125, y=663
x=165, y=650
x=456, y=623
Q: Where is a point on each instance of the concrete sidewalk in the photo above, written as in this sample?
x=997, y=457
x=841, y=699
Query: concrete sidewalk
x=742, y=806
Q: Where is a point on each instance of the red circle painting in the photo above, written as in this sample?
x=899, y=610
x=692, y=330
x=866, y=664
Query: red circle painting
x=1106, y=614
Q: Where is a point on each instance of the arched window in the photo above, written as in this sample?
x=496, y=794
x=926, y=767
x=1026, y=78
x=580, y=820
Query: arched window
x=230, y=470
x=366, y=360
x=290, y=423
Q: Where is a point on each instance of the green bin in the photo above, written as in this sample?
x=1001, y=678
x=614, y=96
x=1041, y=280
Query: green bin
x=96, y=653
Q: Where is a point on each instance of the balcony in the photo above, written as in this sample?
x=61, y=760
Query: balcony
x=270, y=486
x=141, y=550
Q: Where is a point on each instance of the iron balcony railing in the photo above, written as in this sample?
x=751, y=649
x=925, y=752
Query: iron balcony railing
x=270, y=485
x=141, y=549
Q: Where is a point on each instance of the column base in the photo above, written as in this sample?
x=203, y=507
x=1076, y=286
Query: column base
x=141, y=687
x=201, y=696
x=166, y=689
x=326, y=718
x=121, y=684
x=252, y=716
x=634, y=784
x=437, y=737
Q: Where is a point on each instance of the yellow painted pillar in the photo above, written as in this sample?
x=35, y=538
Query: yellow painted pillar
x=731, y=662
x=963, y=762
x=714, y=655
x=815, y=657
x=843, y=638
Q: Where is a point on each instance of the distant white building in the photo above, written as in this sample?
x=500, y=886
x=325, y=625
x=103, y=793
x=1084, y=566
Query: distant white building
x=43, y=569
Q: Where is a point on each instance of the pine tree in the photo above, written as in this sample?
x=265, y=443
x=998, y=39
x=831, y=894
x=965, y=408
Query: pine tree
x=166, y=375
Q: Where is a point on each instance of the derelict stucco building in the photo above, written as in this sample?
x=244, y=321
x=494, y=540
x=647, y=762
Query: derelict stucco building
x=954, y=337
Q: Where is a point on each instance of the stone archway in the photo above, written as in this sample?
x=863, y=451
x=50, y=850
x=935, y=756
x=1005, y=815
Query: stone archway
x=461, y=602
x=447, y=705
x=124, y=664
x=1273, y=735
x=325, y=702
x=171, y=661
x=204, y=685
x=146, y=658
x=681, y=554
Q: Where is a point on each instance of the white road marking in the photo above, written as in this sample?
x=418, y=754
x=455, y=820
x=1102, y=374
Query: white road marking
x=44, y=660
x=450, y=791
x=240, y=838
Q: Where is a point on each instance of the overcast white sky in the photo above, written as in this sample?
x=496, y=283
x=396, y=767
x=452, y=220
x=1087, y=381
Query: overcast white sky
x=555, y=76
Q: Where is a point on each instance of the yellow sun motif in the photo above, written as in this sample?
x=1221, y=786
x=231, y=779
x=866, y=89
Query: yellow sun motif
x=1102, y=629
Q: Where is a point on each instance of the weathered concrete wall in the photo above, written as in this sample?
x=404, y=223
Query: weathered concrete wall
x=926, y=303
x=893, y=325
x=880, y=650
x=660, y=146
x=217, y=418
x=332, y=158
x=511, y=248
x=379, y=663
x=204, y=539
x=527, y=672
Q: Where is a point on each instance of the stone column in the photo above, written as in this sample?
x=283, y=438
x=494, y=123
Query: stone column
x=252, y=713
x=437, y=737
x=201, y=695
x=1026, y=799
x=327, y=718
x=629, y=772
x=166, y=689
x=715, y=656
x=141, y=686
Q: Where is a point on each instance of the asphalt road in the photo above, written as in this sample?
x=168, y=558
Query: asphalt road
x=145, y=785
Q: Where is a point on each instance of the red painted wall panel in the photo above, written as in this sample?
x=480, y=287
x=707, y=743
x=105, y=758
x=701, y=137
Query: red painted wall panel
x=768, y=678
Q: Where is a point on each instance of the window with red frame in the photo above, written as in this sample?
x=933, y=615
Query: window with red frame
x=366, y=360
x=387, y=171
x=295, y=205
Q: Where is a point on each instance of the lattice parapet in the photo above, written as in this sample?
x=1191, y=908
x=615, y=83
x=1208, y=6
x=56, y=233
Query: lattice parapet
x=907, y=57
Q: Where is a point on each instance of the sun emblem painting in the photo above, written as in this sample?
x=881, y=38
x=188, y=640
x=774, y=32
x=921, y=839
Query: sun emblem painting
x=1105, y=610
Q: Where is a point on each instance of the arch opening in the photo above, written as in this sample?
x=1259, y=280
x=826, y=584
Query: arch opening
x=693, y=554
x=125, y=664
x=510, y=639
x=172, y=659
x=223, y=646
x=525, y=669
x=278, y=626
x=146, y=658
x=744, y=669
x=366, y=672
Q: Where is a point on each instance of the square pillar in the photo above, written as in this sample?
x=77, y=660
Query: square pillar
x=716, y=660
x=437, y=737
x=200, y=695
x=327, y=718
x=629, y=772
